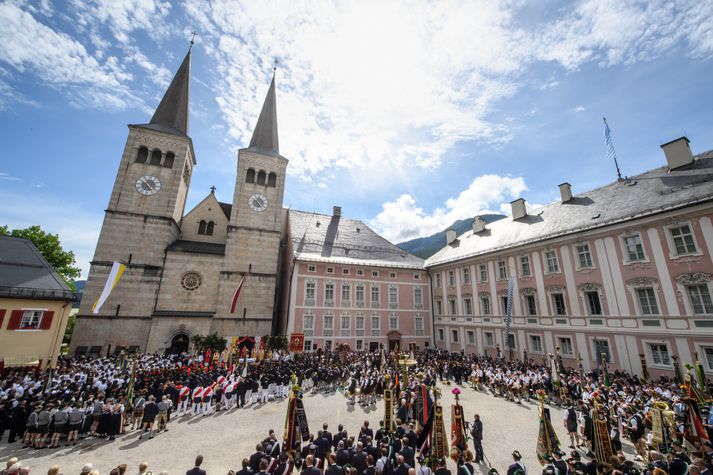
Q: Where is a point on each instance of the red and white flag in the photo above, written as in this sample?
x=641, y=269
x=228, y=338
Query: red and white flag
x=236, y=295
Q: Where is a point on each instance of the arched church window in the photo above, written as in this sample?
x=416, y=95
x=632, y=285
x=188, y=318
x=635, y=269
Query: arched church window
x=261, y=177
x=250, y=176
x=272, y=180
x=168, y=161
x=156, y=157
x=201, y=227
x=143, y=155
x=209, y=228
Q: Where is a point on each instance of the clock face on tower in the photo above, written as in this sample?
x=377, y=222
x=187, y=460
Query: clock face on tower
x=257, y=202
x=148, y=185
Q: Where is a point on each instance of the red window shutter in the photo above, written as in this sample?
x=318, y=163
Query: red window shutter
x=2, y=316
x=46, y=321
x=15, y=320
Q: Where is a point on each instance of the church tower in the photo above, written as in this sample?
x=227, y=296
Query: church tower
x=255, y=230
x=142, y=218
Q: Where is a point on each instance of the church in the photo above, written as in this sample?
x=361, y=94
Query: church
x=183, y=268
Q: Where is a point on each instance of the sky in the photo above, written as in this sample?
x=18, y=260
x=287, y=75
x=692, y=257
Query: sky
x=409, y=115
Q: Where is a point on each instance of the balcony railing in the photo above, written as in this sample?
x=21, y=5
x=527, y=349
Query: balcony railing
x=310, y=302
x=360, y=304
x=374, y=304
x=308, y=331
x=329, y=303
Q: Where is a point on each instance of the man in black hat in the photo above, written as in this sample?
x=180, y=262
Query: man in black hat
x=517, y=467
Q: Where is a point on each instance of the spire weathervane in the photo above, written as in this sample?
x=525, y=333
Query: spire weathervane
x=274, y=68
x=193, y=39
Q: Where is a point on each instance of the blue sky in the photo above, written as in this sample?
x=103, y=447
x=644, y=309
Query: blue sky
x=407, y=114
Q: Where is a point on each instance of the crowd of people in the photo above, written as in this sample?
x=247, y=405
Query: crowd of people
x=104, y=397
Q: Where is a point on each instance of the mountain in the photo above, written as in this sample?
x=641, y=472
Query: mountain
x=425, y=247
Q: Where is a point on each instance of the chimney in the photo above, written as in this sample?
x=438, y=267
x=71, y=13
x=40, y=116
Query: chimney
x=450, y=236
x=518, y=209
x=478, y=224
x=336, y=211
x=678, y=153
x=565, y=192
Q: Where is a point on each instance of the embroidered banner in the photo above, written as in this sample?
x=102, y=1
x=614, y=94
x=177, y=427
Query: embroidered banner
x=302, y=420
x=440, y=442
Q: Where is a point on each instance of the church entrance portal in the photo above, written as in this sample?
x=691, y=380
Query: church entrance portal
x=179, y=344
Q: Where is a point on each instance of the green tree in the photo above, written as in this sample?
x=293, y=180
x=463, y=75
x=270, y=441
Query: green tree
x=213, y=341
x=62, y=261
x=277, y=342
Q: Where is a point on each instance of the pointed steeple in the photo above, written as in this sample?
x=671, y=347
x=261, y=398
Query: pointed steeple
x=265, y=133
x=172, y=111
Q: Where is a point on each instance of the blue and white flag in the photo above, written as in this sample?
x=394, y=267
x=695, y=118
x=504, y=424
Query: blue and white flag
x=508, y=311
x=611, y=154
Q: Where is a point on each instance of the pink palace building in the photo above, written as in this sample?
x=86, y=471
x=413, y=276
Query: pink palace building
x=345, y=284
x=623, y=270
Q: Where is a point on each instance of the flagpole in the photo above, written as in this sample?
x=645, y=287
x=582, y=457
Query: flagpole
x=610, y=148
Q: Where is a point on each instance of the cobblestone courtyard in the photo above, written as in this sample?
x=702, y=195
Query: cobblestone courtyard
x=225, y=438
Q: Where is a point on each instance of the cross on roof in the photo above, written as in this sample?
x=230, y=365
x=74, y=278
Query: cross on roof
x=212, y=189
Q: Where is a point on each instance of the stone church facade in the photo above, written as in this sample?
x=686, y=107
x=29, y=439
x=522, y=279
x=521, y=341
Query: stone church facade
x=182, y=269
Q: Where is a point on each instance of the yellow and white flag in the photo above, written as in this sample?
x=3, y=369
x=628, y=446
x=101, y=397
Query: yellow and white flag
x=114, y=275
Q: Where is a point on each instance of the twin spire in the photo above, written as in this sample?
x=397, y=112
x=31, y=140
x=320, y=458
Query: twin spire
x=172, y=112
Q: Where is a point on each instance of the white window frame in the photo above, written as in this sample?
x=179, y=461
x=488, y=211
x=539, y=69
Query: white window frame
x=359, y=345
x=455, y=335
x=653, y=294
x=345, y=331
x=28, y=316
x=502, y=269
x=392, y=275
x=589, y=287
x=375, y=329
x=441, y=334
x=393, y=296
x=346, y=302
x=546, y=260
x=489, y=339
x=417, y=276
x=378, y=295
x=311, y=268
x=465, y=275
x=578, y=257
x=560, y=339
x=439, y=307
x=525, y=293
x=673, y=252
x=437, y=280
x=360, y=272
x=451, y=278
x=313, y=300
x=558, y=291
x=359, y=324
x=690, y=299
x=328, y=330
x=308, y=330
x=307, y=345
x=393, y=322
x=525, y=260
x=651, y=353
x=345, y=270
x=701, y=349
x=486, y=312
x=418, y=297
x=468, y=305
x=330, y=270
x=375, y=273
x=418, y=324
x=483, y=273
x=326, y=294
x=470, y=337
x=531, y=338
x=452, y=306
x=625, y=248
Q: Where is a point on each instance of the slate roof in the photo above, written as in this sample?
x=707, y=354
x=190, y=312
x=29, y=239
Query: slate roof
x=197, y=247
x=171, y=115
x=227, y=208
x=265, y=134
x=651, y=192
x=324, y=238
x=24, y=273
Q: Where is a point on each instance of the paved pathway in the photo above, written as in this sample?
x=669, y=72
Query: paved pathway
x=225, y=438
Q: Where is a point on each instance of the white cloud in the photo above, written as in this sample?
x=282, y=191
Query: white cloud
x=78, y=230
x=579, y=109
x=123, y=17
x=62, y=62
x=402, y=219
x=7, y=177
